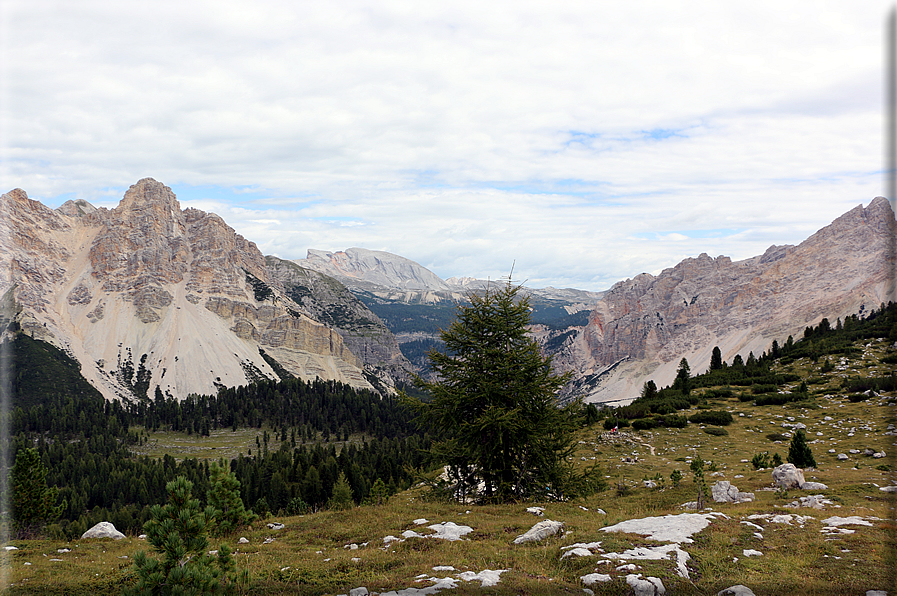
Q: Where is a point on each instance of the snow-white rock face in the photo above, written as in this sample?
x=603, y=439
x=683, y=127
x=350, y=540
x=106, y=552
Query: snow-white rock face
x=788, y=476
x=149, y=295
x=642, y=327
x=667, y=528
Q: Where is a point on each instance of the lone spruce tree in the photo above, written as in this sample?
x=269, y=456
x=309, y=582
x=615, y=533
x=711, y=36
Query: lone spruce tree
x=229, y=514
x=799, y=452
x=494, y=406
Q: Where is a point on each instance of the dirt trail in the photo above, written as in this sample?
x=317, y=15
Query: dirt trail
x=649, y=447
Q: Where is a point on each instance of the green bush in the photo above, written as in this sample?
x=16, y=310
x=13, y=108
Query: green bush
x=857, y=397
x=643, y=423
x=717, y=432
x=715, y=417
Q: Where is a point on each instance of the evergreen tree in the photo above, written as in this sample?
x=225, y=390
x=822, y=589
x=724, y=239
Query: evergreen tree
x=495, y=404
x=649, y=390
x=716, y=359
x=342, y=494
x=33, y=503
x=682, y=382
x=799, y=452
x=177, y=532
x=228, y=511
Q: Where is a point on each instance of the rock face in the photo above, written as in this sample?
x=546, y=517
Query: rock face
x=328, y=301
x=149, y=296
x=103, y=530
x=642, y=327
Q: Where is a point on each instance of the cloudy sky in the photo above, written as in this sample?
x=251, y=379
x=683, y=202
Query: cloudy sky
x=585, y=141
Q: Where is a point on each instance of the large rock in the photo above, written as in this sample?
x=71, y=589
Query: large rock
x=540, y=531
x=788, y=476
x=103, y=530
x=724, y=492
x=651, y=586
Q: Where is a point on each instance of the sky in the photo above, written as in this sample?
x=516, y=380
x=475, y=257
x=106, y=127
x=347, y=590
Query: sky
x=581, y=143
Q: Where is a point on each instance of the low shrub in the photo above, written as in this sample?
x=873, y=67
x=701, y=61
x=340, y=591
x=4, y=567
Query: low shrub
x=717, y=432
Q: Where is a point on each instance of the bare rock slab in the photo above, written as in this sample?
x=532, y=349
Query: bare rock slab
x=540, y=531
x=668, y=528
x=103, y=530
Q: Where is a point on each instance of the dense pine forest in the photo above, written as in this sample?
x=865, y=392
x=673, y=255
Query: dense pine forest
x=87, y=444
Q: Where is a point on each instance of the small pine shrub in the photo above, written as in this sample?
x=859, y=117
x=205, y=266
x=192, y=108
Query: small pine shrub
x=799, y=453
x=715, y=417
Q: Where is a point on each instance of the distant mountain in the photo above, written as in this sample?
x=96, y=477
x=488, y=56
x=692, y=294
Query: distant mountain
x=642, y=327
x=148, y=296
x=415, y=303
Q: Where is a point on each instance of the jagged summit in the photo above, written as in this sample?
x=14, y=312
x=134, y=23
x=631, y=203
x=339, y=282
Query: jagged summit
x=148, y=296
x=643, y=326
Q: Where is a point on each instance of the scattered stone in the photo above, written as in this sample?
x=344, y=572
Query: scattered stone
x=444, y=568
x=577, y=552
x=420, y=521
x=10, y=547
x=813, y=501
x=888, y=489
x=487, y=577
x=351, y=546
x=243, y=540
x=650, y=586
x=649, y=484
x=656, y=553
x=594, y=578
x=601, y=511
x=103, y=530
x=540, y=531
x=270, y=540
x=736, y=590
x=853, y=520
x=876, y=593
x=842, y=457
x=749, y=552
x=813, y=486
x=362, y=591
x=724, y=492
x=449, y=531
x=276, y=526
x=879, y=455
x=540, y=511
x=63, y=550
x=788, y=476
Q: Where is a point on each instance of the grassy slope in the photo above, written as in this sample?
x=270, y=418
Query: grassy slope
x=795, y=560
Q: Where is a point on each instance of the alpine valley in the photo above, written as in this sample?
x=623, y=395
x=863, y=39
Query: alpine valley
x=149, y=298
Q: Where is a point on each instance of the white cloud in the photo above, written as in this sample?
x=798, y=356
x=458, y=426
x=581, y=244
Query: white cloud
x=462, y=135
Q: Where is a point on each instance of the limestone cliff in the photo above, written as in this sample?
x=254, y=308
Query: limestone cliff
x=327, y=300
x=148, y=295
x=643, y=326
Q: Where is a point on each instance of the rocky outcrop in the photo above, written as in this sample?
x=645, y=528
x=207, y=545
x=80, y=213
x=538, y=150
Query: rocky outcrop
x=148, y=295
x=642, y=327
x=328, y=301
x=103, y=530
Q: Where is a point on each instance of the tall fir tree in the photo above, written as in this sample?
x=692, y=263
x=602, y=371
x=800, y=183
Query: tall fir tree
x=33, y=502
x=495, y=404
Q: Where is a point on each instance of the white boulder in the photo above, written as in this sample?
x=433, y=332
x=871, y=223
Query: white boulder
x=788, y=476
x=540, y=531
x=594, y=578
x=103, y=530
x=724, y=492
x=651, y=586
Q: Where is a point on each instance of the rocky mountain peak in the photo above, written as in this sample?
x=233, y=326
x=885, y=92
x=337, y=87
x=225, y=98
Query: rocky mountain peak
x=76, y=208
